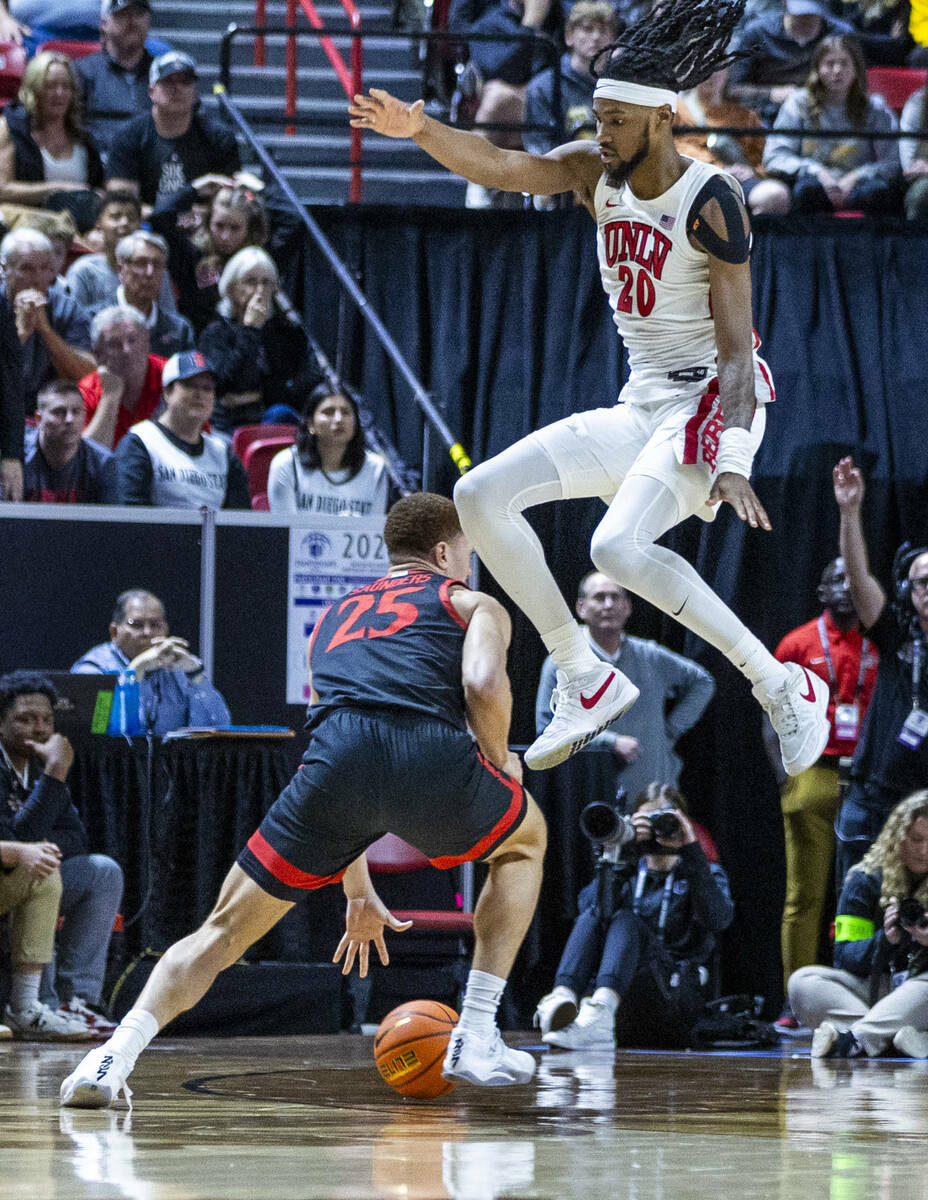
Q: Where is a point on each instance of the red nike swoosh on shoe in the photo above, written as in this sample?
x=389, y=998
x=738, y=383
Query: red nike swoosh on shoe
x=592, y=701
x=811, y=696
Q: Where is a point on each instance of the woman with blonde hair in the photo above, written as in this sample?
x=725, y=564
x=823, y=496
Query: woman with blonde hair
x=47, y=157
x=876, y=995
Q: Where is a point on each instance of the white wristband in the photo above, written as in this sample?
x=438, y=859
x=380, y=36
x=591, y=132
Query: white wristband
x=736, y=452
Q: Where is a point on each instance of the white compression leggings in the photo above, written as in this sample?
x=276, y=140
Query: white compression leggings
x=492, y=498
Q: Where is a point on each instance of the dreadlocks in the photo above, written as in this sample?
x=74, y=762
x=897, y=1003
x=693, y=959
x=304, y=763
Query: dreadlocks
x=679, y=44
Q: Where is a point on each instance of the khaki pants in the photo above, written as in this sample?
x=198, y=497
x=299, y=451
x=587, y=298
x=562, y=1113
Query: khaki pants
x=826, y=994
x=33, y=907
x=810, y=805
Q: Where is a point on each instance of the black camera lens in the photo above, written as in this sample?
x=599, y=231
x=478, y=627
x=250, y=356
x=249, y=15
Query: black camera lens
x=664, y=824
x=604, y=823
x=910, y=912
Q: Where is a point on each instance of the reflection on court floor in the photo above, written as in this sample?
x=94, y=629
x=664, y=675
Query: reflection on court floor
x=258, y=1119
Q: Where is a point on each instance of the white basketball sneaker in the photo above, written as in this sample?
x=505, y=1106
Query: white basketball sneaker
x=582, y=708
x=485, y=1060
x=911, y=1042
x=594, y=1029
x=798, y=712
x=555, y=1010
x=97, y=1081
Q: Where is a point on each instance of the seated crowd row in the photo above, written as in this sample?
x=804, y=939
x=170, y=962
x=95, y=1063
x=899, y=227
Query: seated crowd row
x=802, y=68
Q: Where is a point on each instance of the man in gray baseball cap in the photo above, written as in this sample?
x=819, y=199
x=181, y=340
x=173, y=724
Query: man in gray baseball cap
x=115, y=81
x=160, y=154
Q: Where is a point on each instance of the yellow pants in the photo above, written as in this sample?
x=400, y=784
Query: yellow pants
x=810, y=803
x=33, y=907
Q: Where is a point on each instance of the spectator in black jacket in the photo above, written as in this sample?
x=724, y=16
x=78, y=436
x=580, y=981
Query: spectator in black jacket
x=502, y=68
x=235, y=218
x=876, y=995
x=35, y=807
x=115, y=81
x=891, y=759
x=12, y=406
x=158, y=154
x=259, y=351
x=667, y=909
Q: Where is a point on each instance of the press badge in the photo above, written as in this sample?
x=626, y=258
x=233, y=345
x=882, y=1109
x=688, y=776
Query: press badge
x=847, y=720
x=913, y=732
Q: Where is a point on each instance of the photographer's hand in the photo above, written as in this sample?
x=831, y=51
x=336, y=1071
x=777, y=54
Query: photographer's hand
x=626, y=748
x=685, y=837
x=892, y=930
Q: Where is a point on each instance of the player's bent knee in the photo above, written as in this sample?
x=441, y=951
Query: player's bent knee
x=617, y=557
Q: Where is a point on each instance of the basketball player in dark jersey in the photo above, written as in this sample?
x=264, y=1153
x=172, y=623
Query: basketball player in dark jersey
x=399, y=669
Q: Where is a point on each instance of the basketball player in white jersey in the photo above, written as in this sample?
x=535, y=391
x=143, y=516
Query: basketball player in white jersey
x=673, y=241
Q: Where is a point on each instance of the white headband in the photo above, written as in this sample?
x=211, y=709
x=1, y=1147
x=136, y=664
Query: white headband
x=634, y=93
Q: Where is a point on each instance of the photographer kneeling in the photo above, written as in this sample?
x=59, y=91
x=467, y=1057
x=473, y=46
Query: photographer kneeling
x=876, y=995
x=646, y=931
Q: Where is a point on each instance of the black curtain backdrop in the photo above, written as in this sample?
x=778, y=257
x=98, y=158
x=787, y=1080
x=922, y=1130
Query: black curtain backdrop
x=503, y=317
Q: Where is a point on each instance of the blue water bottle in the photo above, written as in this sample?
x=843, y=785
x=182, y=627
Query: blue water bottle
x=126, y=715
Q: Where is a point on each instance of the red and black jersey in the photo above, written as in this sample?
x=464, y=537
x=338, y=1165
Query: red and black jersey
x=395, y=643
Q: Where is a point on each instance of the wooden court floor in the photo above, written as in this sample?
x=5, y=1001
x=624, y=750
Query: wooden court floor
x=258, y=1119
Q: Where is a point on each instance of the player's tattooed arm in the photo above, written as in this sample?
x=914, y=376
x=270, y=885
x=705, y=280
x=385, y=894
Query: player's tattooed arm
x=566, y=169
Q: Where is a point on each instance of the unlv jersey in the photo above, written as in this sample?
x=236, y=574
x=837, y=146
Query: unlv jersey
x=395, y=643
x=658, y=287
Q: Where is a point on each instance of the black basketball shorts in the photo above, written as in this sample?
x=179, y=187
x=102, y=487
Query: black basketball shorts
x=368, y=772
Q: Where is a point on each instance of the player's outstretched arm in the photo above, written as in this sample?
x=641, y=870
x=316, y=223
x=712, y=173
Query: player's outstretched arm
x=866, y=593
x=575, y=167
x=365, y=920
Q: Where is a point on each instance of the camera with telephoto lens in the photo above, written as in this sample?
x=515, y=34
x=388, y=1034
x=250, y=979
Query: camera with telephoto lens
x=609, y=827
x=911, y=913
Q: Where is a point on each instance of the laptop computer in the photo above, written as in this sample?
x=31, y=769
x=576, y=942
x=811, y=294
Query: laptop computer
x=84, y=702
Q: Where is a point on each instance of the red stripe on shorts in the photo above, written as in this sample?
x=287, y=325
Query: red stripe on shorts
x=515, y=807
x=767, y=380
x=691, y=441
x=285, y=871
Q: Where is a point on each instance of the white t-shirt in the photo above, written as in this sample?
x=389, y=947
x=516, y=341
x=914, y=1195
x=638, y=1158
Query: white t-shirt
x=182, y=480
x=291, y=488
x=72, y=169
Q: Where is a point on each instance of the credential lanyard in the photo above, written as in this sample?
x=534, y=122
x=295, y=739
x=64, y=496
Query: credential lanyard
x=832, y=677
x=665, y=899
x=917, y=651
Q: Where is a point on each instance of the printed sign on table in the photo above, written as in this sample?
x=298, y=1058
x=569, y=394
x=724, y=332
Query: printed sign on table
x=326, y=561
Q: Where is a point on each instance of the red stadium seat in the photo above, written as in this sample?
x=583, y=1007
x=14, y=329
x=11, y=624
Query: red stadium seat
x=246, y=434
x=257, y=461
x=895, y=84
x=12, y=68
x=71, y=49
x=439, y=938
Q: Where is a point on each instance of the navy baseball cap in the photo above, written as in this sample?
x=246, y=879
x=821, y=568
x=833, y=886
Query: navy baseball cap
x=108, y=7
x=184, y=366
x=171, y=63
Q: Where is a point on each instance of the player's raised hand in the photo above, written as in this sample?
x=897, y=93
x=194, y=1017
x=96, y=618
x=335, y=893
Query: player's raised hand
x=740, y=495
x=383, y=113
x=365, y=921
x=849, y=484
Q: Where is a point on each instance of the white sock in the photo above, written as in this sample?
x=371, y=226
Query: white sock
x=481, y=1000
x=133, y=1034
x=570, y=650
x=607, y=997
x=756, y=663
x=24, y=992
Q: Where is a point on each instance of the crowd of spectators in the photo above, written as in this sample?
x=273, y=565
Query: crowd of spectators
x=798, y=65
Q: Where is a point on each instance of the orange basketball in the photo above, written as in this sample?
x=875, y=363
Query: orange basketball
x=410, y=1045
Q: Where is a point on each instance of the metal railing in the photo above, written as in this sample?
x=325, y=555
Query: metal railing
x=540, y=42
x=433, y=420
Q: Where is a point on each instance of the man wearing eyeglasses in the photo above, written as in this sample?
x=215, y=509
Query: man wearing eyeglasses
x=173, y=689
x=891, y=759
